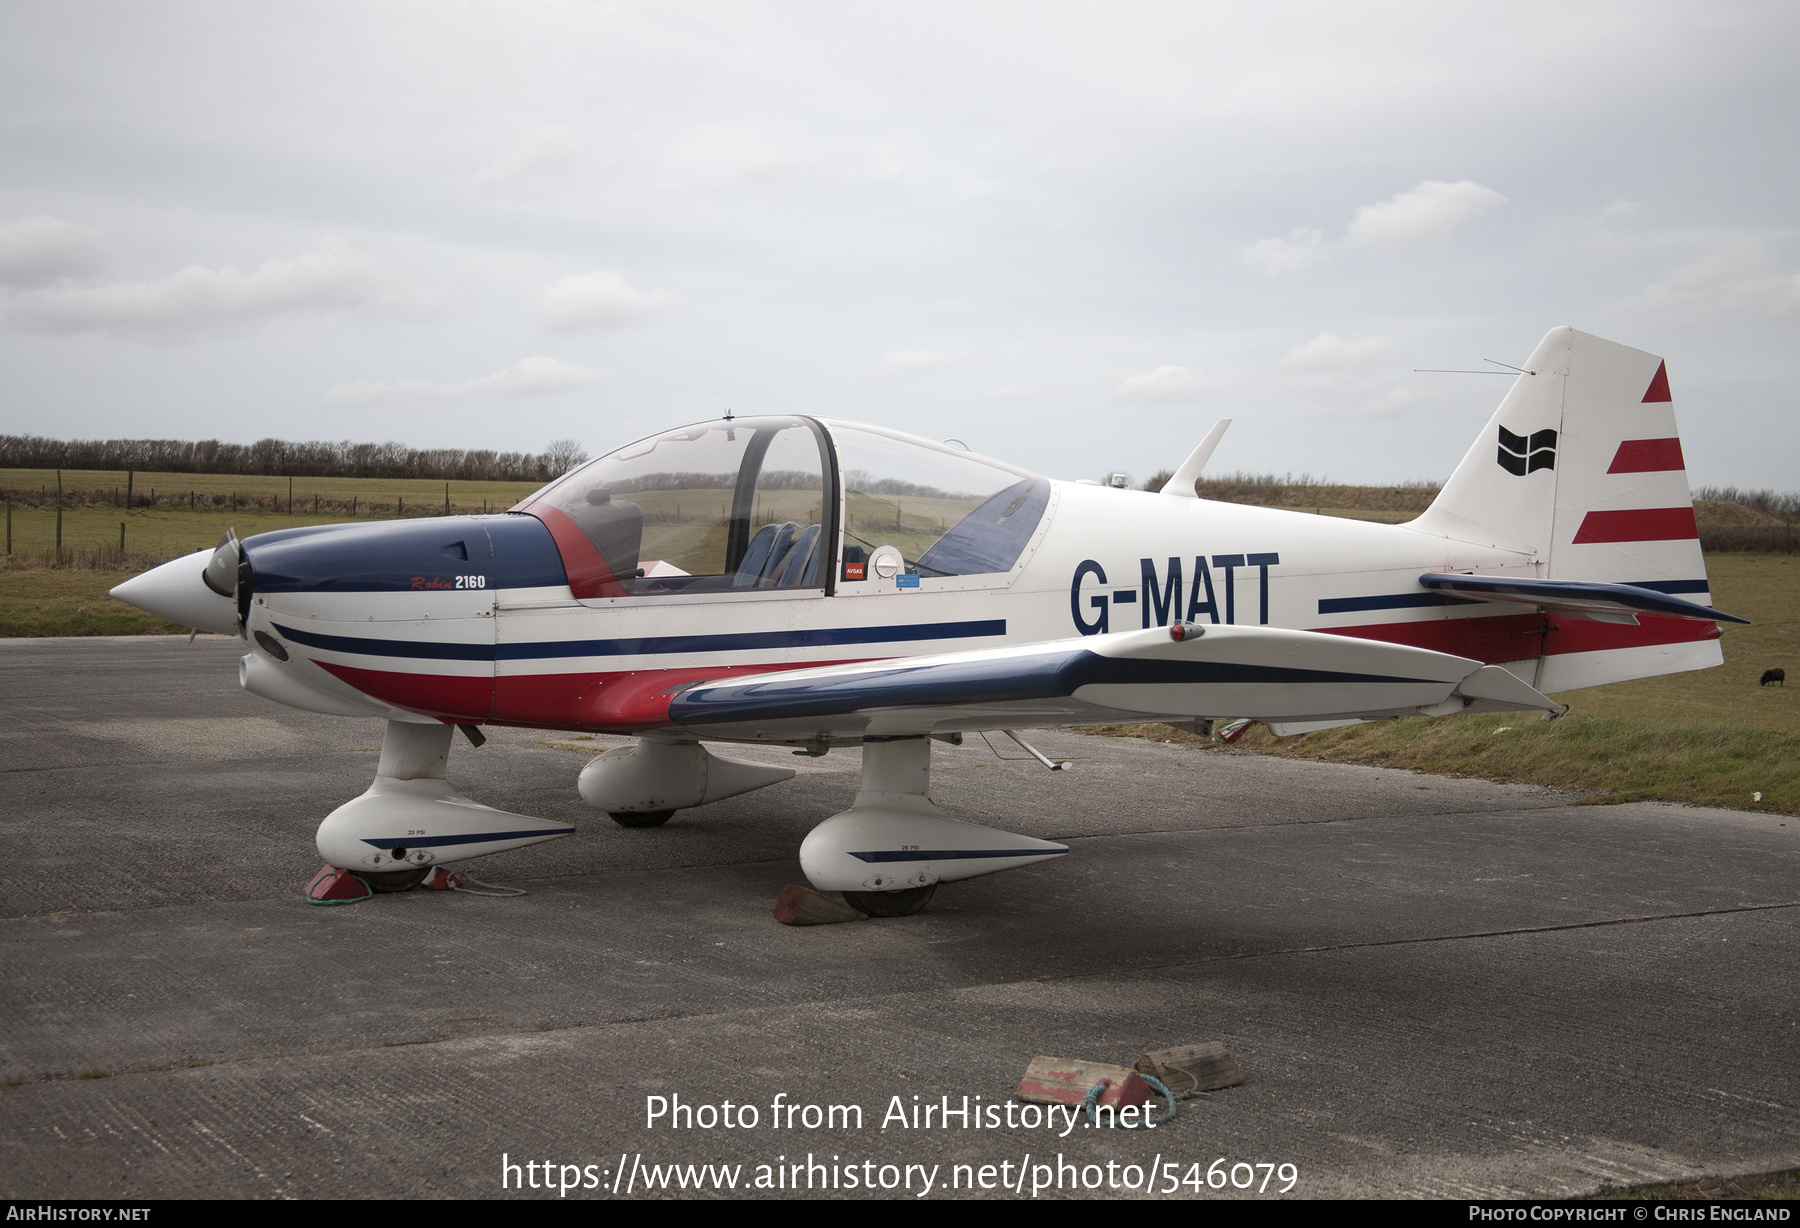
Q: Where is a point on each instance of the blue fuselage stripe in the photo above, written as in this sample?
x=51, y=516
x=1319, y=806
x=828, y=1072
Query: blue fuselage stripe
x=1411, y=601
x=1393, y=601
x=748, y=641
x=743, y=641
x=372, y=647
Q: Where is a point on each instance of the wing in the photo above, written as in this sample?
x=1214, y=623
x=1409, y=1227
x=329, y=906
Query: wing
x=1620, y=603
x=1262, y=672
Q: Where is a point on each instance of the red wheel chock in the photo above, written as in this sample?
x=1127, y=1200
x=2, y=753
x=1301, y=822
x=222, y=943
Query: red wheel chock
x=441, y=879
x=332, y=885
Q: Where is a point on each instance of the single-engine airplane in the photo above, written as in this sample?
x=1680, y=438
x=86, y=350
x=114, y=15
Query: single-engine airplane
x=822, y=584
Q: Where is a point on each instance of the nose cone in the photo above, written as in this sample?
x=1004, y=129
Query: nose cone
x=175, y=591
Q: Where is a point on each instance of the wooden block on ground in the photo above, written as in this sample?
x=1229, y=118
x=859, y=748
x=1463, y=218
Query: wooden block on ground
x=1062, y=1080
x=803, y=906
x=1188, y=1070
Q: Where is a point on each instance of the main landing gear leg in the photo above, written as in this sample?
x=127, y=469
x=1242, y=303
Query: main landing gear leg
x=891, y=849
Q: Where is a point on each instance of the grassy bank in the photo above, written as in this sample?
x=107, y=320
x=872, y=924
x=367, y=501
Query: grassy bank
x=72, y=600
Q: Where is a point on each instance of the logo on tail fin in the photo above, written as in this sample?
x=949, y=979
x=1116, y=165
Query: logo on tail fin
x=1520, y=456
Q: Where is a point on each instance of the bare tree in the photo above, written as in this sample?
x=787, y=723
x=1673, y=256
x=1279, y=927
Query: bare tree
x=563, y=455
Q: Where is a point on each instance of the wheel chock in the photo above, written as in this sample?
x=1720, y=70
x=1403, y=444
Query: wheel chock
x=1061, y=1080
x=441, y=879
x=803, y=906
x=333, y=885
x=1188, y=1070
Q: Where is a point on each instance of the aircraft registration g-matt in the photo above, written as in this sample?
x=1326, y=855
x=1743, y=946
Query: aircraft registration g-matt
x=822, y=584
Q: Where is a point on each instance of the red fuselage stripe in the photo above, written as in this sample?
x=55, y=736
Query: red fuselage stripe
x=1520, y=637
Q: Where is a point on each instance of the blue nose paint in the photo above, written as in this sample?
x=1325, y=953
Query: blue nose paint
x=437, y=552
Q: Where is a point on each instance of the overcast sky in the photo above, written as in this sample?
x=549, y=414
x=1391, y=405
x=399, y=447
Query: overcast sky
x=1073, y=235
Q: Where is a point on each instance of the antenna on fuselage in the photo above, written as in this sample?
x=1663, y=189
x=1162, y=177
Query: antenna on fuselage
x=1181, y=485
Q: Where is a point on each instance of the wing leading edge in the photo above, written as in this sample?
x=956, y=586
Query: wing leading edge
x=1262, y=672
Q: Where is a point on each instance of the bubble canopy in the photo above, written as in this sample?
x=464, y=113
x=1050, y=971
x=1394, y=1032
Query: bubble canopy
x=753, y=504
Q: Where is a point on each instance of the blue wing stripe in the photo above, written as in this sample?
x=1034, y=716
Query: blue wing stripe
x=1051, y=675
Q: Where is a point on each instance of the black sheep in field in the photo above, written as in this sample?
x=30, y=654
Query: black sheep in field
x=1773, y=675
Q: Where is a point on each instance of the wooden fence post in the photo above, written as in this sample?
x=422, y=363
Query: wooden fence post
x=121, y=538
x=59, y=515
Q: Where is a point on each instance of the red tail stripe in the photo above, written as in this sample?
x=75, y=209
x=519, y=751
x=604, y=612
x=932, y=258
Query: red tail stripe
x=1639, y=524
x=1659, y=385
x=1520, y=637
x=1648, y=456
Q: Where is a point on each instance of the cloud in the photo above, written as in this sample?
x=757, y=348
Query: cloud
x=1742, y=278
x=601, y=301
x=1331, y=378
x=1424, y=215
x=1300, y=250
x=1328, y=350
x=547, y=153
x=899, y=362
x=335, y=276
x=529, y=377
x=40, y=249
x=1165, y=384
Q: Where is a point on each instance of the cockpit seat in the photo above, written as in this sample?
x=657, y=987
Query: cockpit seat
x=801, y=565
x=767, y=549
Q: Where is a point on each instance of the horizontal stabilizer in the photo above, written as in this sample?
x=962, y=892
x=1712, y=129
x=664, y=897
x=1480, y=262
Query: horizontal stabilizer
x=1577, y=598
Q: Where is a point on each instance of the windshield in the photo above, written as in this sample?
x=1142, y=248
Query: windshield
x=734, y=504
x=949, y=513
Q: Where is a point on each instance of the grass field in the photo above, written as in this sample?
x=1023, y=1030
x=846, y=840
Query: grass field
x=373, y=496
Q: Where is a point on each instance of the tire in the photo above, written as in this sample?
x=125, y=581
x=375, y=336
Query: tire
x=641, y=818
x=394, y=880
x=890, y=903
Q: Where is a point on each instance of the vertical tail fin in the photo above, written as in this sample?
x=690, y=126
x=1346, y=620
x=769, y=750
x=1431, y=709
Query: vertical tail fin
x=1580, y=471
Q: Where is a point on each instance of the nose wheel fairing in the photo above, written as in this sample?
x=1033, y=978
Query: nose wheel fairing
x=410, y=818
